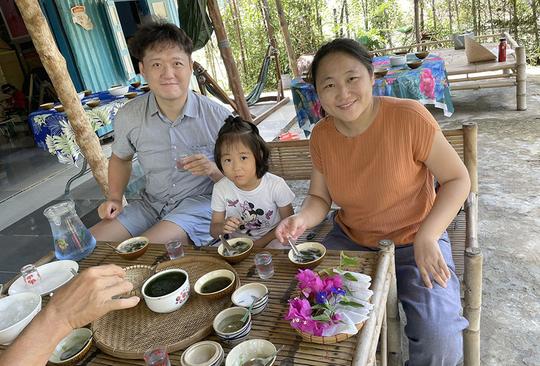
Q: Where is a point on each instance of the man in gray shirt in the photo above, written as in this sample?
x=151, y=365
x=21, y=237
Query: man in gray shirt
x=173, y=132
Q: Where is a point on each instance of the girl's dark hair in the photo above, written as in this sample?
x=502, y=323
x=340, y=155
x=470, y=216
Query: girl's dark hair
x=237, y=130
x=344, y=45
x=158, y=34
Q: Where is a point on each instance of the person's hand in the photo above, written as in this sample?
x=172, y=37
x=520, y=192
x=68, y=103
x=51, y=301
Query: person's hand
x=430, y=262
x=199, y=164
x=294, y=226
x=231, y=224
x=90, y=295
x=110, y=209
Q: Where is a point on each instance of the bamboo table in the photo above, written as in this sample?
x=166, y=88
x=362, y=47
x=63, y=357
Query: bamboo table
x=357, y=350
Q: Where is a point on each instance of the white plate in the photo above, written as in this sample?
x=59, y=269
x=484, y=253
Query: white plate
x=53, y=275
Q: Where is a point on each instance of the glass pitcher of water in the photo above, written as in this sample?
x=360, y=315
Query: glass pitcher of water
x=72, y=240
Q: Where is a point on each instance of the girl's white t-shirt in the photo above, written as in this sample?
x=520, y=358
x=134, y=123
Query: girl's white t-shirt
x=258, y=208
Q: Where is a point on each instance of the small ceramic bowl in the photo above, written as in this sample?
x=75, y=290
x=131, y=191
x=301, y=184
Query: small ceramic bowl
x=130, y=95
x=72, y=348
x=135, y=84
x=205, y=353
x=237, y=257
x=304, y=246
x=59, y=108
x=131, y=255
x=250, y=349
x=211, y=276
x=421, y=54
x=119, y=90
x=46, y=106
x=236, y=335
x=16, y=312
x=401, y=52
x=87, y=92
x=169, y=302
x=93, y=103
x=414, y=64
x=245, y=295
x=379, y=73
x=398, y=60
x=145, y=88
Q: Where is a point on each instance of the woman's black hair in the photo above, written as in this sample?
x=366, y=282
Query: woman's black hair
x=237, y=130
x=158, y=34
x=343, y=45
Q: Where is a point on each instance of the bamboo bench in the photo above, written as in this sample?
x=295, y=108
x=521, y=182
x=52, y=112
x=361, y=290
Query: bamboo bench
x=292, y=161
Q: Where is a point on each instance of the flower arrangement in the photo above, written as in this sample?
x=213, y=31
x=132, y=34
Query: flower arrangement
x=324, y=300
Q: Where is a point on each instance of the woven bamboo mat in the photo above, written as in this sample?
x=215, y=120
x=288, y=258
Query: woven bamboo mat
x=269, y=324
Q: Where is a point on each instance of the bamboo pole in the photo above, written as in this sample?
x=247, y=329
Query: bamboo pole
x=272, y=38
x=287, y=37
x=472, y=306
x=392, y=314
x=228, y=60
x=521, y=79
x=55, y=65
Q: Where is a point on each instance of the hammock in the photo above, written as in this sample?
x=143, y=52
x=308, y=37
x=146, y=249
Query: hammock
x=195, y=22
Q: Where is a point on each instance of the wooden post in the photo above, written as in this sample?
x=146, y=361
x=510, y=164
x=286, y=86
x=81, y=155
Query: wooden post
x=228, y=60
x=392, y=312
x=287, y=37
x=521, y=79
x=273, y=43
x=55, y=65
x=472, y=306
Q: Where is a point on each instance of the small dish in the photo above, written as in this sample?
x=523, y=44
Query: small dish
x=304, y=247
x=145, y=88
x=126, y=249
x=166, y=291
x=205, y=353
x=135, y=84
x=87, y=92
x=59, y=108
x=210, y=285
x=250, y=349
x=422, y=54
x=130, y=95
x=237, y=257
x=246, y=294
x=53, y=275
x=228, y=324
x=93, y=103
x=46, y=106
x=118, y=90
x=398, y=60
x=379, y=73
x=414, y=64
x=72, y=348
x=16, y=312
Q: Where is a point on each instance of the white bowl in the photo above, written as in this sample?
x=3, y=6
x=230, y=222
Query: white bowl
x=250, y=349
x=245, y=295
x=80, y=340
x=236, y=335
x=16, y=311
x=239, y=256
x=205, y=353
x=171, y=301
x=119, y=91
x=304, y=246
x=210, y=276
x=398, y=60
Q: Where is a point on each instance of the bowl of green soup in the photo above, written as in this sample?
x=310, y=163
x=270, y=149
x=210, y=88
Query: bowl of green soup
x=241, y=249
x=166, y=291
x=215, y=284
x=132, y=248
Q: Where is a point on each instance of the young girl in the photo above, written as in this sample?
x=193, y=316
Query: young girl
x=248, y=201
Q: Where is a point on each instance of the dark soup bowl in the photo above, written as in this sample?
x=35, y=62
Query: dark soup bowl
x=166, y=291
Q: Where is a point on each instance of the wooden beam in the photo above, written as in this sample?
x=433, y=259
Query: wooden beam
x=228, y=60
x=55, y=65
x=287, y=37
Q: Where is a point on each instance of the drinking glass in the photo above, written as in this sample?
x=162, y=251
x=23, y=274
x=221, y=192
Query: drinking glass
x=157, y=357
x=263, y=263
x=30, y=275
x=174, y=249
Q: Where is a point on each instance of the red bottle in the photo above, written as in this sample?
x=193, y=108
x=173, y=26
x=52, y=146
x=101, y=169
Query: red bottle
x=502, y=50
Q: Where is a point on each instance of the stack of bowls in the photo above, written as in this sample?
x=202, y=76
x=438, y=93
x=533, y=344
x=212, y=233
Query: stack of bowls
x=250, y=349
x=220, y=324
x=205, y=353
x=245, y=295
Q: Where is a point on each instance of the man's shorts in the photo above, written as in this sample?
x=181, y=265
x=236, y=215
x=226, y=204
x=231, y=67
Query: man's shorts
x=192, y=214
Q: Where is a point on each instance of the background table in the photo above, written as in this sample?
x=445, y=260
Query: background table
x=270, y=324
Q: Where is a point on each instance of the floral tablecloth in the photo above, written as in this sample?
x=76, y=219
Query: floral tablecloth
x=427, y=84
x=53, y=133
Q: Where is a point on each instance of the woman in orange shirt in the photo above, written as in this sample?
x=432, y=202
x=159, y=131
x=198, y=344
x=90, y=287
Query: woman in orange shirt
x=375, y=157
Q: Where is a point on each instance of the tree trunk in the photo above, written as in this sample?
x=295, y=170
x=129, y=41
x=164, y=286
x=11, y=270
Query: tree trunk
x=534, y=6
x=456, y=5
x=515, y=21
x=475, y=17
x=287, y=37
x=479, y=18
x=336, y=27
x=273, y=43
x=434, y=16
x=319, y=19
x=346, y=6
x=417, y=20
x=491, y=17
x=238, y=26
x=450, y=22
x=228, y=60
x=365, y=9
x=55, y=65
x=421, y=18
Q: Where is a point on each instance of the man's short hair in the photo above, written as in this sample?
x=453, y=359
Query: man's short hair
x=156, y=35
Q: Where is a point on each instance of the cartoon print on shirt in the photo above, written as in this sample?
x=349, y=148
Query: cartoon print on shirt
x=253, y=219
x=231, y=203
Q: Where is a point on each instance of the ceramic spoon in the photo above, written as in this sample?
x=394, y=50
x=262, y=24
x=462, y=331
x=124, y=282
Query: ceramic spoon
x=295, y=250
x=262, y=361
x=230, y=250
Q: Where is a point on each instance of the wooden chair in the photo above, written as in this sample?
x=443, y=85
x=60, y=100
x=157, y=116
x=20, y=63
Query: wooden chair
x=291, y=160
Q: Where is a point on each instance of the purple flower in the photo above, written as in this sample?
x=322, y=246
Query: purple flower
x=321, y=297
x=298, y=309
x=309, y=282
x=332, y=282
x=338, y=291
